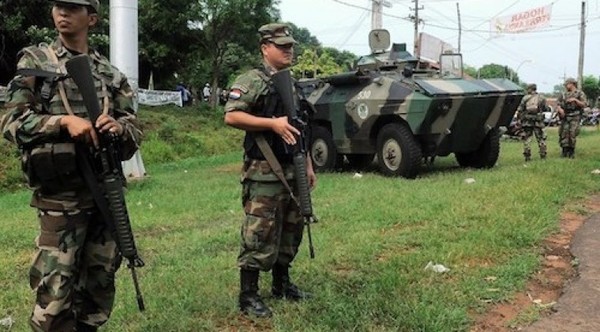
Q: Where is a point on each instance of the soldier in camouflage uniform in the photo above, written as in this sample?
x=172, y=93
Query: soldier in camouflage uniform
x=531, y=117
x=272, y=230
x=570, y=108
x=73, y=271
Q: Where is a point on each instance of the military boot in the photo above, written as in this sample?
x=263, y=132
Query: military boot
x=250, y=302
x=571, y=153
x=83, y=327
x=283, y=288
x=564, y=152
x=527, y=158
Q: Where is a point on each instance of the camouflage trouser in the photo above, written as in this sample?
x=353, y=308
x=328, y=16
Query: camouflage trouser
x=73, y=271
x=540, y=136
x=568, y=131
x=272, y=230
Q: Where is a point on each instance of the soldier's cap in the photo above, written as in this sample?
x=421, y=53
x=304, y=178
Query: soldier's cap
x=277, y=33
x=571, y=80
x=532, y=86
x=95, y=4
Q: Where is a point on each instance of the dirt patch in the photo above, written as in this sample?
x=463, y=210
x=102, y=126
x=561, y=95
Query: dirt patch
x=545, y=287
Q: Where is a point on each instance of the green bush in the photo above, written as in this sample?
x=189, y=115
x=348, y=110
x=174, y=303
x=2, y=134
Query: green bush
x=10, y=168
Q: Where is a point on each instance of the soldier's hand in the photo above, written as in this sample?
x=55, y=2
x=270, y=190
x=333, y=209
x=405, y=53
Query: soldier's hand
x=106, y=123
x=282, y=127
x=79, y=129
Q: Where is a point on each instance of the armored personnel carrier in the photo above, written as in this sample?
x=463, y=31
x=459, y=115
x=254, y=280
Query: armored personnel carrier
x=406, y=112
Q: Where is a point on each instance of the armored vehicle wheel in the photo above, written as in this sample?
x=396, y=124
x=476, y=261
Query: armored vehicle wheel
x=323, y=151
x=398, y=153
x=359, y=161
x=486, y=155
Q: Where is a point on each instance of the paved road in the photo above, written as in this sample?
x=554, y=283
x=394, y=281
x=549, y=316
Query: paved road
x=578, y=309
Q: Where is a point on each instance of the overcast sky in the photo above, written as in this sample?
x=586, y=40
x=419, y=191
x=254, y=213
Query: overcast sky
x=542, y=56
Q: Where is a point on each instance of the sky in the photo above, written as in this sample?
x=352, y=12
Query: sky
x=544, y=56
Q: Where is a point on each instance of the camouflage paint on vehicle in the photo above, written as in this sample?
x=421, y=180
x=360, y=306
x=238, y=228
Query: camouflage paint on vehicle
x=444, y=115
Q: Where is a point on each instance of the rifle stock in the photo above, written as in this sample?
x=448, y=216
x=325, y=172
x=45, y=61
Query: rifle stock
x=282, y=81
x=109, y=198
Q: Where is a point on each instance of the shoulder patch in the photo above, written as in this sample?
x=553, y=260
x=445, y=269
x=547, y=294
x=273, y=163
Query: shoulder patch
x=235, y=94
x=241, y=87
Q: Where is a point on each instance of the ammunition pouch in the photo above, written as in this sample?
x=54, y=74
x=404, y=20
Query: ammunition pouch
x=52, y=167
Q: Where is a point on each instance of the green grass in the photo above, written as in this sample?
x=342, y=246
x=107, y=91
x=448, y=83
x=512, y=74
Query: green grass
x=374, y=238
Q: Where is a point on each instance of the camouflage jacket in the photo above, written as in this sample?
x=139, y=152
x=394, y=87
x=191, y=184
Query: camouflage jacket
x=251, y=93
x=32, y=120
x=572, y=108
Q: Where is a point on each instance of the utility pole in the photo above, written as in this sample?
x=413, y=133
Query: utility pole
x=459, y=26
x=376, y=13
x=581, y=47
x=417, y=20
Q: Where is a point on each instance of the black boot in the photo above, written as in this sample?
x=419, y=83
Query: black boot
x=250, y=302
x=283, y=288
x=83, y=327
x=564, y=152
x=571, y=153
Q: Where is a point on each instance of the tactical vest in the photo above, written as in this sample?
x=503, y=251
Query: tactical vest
x=267, y=106
x=571, y=109
x=532, y=105
x=51, y=167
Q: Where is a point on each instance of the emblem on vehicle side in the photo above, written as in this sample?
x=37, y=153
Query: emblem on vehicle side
x=363, y=111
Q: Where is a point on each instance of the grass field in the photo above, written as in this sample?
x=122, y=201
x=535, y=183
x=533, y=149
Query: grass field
x=375, y=237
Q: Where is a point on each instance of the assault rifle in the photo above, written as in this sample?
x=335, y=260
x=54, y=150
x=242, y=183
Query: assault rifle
x=108, y=194
x=282, y=81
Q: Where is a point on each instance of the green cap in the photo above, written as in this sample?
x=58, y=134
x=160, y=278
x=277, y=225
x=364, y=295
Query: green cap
x=571, y=80
x=277, y=33
x=92, y=3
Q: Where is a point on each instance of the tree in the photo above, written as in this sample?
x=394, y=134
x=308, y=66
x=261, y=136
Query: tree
x=591, y=88
x=345, y=59
x=310, y=64
x=225, y=23
x=165, y=40
x=493, y=70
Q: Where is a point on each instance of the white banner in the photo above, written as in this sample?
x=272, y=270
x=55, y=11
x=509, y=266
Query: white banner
x=157, y=97
x=528, y=20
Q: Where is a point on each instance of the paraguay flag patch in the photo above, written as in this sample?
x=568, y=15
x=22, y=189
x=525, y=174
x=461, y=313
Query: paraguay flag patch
x=235, y=94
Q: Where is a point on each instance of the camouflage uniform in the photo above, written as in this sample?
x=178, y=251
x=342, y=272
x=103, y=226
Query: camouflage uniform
x=273, y=228
x=569, y=125
x=74, y=268
x=531, y=117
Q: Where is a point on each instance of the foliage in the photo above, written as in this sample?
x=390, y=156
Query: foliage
x=470, y=71
x=310, y=65
x=591, y=88
x=166, y=40
x=224, y=24
x=494, y=70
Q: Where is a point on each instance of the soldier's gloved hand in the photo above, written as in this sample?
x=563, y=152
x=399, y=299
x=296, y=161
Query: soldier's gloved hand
x=106, y=123
x=282, y=127
x=80, y=129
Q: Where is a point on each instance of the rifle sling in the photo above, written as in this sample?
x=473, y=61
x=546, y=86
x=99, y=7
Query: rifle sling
x=273, y=162
x=92, y=183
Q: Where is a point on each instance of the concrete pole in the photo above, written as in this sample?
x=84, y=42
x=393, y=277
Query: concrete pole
x=124, y=55
x=376, y=21
x=581, y=48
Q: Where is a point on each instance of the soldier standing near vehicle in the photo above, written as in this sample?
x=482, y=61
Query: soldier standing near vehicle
x=570, y=108
x=531, y=116
x=272, y=230
x=73, y=271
